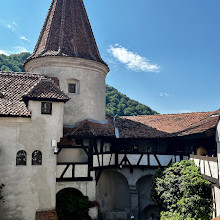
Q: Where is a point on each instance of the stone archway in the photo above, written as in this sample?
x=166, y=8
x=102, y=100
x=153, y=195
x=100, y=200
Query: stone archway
x=147, y=208
x=113, y=195
x=72, y=204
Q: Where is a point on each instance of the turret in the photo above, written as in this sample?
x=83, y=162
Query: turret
x=67, y=49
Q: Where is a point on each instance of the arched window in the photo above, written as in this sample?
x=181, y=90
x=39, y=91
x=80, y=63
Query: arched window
x=21, y=158
x=36, y=158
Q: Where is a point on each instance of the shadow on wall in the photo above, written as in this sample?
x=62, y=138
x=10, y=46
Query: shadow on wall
x=147, y=208
x=113, y=192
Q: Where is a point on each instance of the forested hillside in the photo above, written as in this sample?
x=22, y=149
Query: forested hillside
x=13, y=62
x=117, y=104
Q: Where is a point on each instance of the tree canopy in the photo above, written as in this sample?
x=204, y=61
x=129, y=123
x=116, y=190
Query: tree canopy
x=14, y=62
x=182, y=193
x=117, y=104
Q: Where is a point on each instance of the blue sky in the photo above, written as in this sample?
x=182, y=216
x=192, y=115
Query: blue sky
x=163, y=53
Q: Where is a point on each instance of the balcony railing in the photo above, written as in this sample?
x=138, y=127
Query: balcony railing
x=208, y=167
x=134, y=160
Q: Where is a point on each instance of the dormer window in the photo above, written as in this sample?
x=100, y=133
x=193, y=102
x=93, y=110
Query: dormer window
x=46, y=108
x=72, y=88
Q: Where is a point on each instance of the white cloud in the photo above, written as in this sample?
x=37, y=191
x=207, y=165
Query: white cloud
x=11, y=26
x=3, y=52
x=18, y=49
x=164, y=94
x=23, y=38
x=14, y=50
x=132, y=60
x=185, y=111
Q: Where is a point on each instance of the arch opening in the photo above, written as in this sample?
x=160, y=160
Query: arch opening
x=113, y=192
x=147, y=208
x=72, y=204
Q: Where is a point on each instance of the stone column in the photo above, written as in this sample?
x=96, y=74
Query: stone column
x=134, y=201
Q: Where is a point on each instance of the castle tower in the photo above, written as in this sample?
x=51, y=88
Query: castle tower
x=67, y=49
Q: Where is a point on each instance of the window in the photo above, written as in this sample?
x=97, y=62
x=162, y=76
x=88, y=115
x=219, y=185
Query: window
x=36, y=158
x=46, y=108
x=72, y=87
x=21, y=158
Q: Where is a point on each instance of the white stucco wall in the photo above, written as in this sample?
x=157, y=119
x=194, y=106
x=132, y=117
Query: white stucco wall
x=29, y=188
x=72, y=155
x=216, y=189
x=89, y=102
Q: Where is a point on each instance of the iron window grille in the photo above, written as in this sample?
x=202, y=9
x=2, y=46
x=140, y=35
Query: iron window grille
x=36, y=158
x=21, y=158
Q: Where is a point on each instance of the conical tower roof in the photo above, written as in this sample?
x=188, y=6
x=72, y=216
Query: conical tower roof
x=67, y=32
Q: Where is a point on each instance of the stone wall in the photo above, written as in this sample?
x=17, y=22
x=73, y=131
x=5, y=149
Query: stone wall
x=122, y=194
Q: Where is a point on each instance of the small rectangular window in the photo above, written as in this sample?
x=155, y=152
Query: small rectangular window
x=46, y=108
x=72, y=88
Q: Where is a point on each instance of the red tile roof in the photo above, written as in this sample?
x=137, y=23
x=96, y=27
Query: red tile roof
x=46, y=89
x=14, y=86
x=88, y=128
x=169, y=124
x=135, y=129
x=67, y=32
x=148, y=126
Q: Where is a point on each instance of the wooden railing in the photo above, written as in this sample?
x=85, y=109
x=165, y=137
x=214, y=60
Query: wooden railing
x=135, y=160
x=208, y=167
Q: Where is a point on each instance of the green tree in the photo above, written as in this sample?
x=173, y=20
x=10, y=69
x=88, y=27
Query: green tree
x=118, y=104
x=175, y=216
x=182, y=193
x=13, y=62
x=72, y=205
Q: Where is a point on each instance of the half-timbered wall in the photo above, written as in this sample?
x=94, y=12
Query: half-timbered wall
x=210, y=169
x=69, y=155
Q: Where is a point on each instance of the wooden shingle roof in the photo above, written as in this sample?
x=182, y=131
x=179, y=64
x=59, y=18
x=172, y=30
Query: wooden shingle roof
x=67, y=32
